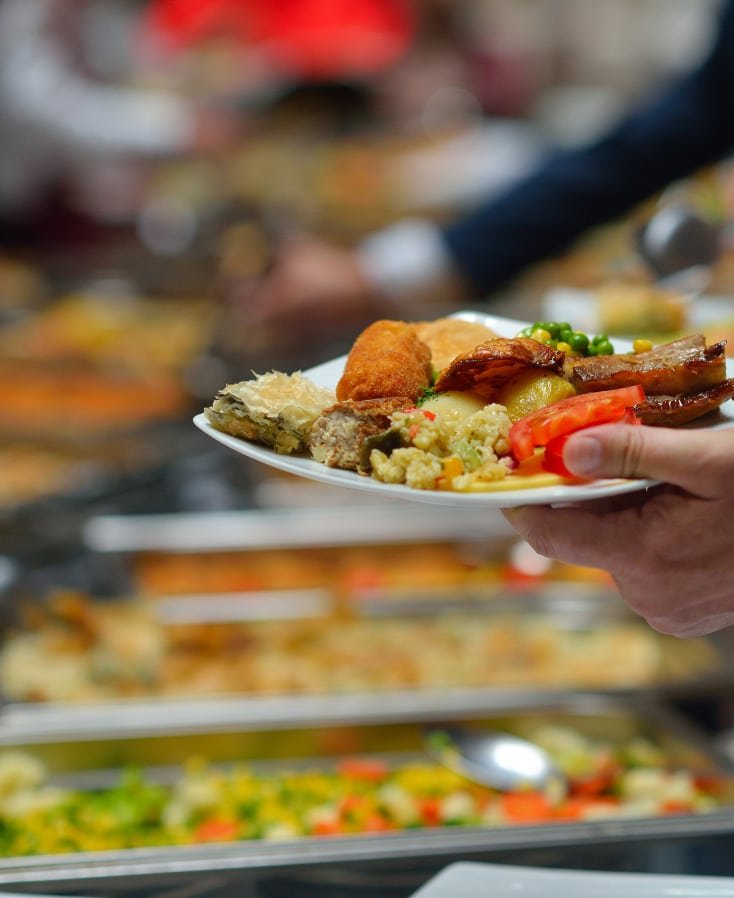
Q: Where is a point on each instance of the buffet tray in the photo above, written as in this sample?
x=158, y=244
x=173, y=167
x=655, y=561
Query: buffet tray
x=98, y=762
x=682, y=673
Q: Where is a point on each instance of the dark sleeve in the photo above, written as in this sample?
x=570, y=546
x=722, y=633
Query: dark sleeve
x=689, y=125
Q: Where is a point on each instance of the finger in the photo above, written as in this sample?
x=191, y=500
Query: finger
x=699, y=461
x=576, y=535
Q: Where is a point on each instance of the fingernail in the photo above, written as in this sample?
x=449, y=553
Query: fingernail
x=583, y=454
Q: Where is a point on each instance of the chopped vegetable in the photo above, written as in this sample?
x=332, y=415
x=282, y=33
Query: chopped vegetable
x=561, y=335
x=568, y=415
x=553, y=456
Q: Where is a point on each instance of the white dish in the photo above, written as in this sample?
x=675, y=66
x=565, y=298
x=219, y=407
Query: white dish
x=470, y=880
x=327, y=375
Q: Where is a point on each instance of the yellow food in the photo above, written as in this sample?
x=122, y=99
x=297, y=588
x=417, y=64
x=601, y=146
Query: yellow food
x=531, y=390
x=453, y=401
x=480, y=441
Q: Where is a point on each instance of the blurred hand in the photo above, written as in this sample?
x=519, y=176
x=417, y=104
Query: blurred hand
x=669, y=548
x=215, y=130
x=313, y=288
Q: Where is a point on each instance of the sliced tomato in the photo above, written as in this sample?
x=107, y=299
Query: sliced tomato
x=553, y=455
x=569, y=415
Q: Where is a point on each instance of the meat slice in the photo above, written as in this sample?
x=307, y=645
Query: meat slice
x=671, y=411
x=487, y=368
x=683, y=366
x=339, y=434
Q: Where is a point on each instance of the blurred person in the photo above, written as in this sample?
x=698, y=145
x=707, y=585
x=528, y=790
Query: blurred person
x=668, y=548
x=395, y=272
x=57, y=118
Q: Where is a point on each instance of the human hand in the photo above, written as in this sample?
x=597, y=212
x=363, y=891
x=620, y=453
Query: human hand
x=214, y=131
x=669, y=549
x=313, y=288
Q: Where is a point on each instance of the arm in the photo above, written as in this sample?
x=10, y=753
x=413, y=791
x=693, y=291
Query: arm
x=684, y=128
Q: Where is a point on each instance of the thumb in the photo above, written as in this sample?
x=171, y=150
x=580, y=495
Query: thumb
x=699, y=461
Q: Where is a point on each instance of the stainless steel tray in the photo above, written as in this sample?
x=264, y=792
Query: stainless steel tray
x=122, y=718
x=96, y=761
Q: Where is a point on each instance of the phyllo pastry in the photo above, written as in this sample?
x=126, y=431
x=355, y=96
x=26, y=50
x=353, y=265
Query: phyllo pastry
x=275, y=409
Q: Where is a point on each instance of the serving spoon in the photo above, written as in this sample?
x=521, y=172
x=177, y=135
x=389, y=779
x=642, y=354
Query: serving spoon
x=680, y=247
x=499, y=760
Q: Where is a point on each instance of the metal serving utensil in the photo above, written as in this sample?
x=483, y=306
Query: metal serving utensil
x=680, y=247
x=499, y=760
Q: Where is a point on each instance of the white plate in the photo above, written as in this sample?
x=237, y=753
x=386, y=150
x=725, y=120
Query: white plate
x=328, y=374
x=469, y=880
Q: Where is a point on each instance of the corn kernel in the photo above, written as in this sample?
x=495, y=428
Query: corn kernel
x=566, y=347
x=542, y=336
x=641, y=345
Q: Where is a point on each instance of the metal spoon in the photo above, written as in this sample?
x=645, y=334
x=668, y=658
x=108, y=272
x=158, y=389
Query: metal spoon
x=680, y=247
x=498, y=760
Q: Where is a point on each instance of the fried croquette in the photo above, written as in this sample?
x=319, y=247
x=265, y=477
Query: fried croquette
x=387, y=359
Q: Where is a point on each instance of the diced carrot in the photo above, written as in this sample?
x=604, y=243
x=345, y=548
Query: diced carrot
x=217, y=830
x=430, y=811
x=375, y=823
x=526, y=807
x=676, y=807
x=369, y=769
x=328, y=827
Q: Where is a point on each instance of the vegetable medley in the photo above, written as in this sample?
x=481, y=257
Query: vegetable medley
x=355, y=796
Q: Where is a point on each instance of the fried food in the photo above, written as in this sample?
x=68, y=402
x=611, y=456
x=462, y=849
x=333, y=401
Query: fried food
x=449, y=337
x=275, y=409
x=683, y=366
x=387, y=359
x=486, y=369
x=672, y=411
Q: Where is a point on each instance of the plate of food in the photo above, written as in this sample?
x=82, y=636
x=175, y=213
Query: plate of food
x=468, y=409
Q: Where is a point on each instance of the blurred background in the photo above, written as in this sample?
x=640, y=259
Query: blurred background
x=154, y=158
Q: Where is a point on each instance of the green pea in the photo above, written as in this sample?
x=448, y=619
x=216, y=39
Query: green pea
x=527, y=331
x=603, y=347
x=579, y=342
x=550, y=326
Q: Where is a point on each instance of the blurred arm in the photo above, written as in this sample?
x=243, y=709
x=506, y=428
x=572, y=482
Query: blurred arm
x=681, y=129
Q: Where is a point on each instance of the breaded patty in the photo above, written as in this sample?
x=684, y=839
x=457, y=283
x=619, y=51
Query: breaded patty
x=387, y=359
x=449, y=337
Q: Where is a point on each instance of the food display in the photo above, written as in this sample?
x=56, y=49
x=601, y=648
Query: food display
x=125, y=332
x=78, y=650
x=350, y=796
x=64, y=402
x=496, y=414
